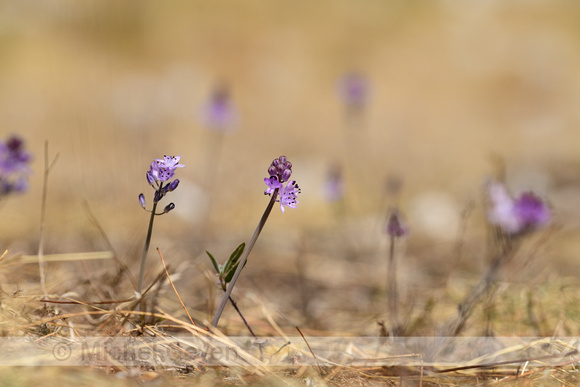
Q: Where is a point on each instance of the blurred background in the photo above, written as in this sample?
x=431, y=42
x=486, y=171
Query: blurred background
x=377, y=104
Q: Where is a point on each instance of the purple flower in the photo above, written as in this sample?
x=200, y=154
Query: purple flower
x=395, y=226
x=170, y=162
x=288, y=195
x=354, y=89
x=162, y=170
x=280, y=171
x=531, y=211
x=218, y=113
x=272, y=183
x=14, y=167
x=519, y=215
x=501, y=211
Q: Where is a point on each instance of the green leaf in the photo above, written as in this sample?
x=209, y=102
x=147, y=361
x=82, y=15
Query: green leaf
x=215, y=264
x=232, y=263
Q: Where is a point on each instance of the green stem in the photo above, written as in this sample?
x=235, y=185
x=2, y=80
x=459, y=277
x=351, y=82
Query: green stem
x=243, y=259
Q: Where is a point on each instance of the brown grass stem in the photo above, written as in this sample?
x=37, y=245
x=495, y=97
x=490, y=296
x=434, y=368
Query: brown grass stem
x=173, y=286
x=76, y=302
x=47, y=168
x=311, y=351
x=123, y=269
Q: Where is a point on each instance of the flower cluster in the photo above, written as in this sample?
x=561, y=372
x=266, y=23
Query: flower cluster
x=14, y=167
x=516, y=215
x=158, y=175
x=280, y=171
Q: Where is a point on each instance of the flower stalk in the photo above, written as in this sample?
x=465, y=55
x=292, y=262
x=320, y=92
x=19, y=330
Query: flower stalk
x=280, y=171
x=146, y=249
x=395, y=229
x=512, y=219
x=243, y=259
x=158, y=176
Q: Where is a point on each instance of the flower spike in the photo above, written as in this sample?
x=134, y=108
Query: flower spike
x=280, y=171
x=158, y=176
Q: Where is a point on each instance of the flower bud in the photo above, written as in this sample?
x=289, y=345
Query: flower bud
x=142, y=201
x=150, y=178
x=286, y=175
x=272, y=171
x=158, y=196
x=168, y=208
x=173, y=185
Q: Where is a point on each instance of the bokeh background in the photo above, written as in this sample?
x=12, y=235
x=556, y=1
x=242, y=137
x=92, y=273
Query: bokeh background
x=458, y=92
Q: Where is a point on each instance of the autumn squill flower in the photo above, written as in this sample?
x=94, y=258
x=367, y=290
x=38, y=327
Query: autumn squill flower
x=395, y=229
x=14, y=166
x=160, y=172
x=281, y=190
x=219, y=113
x=516, y=215
x=280, y=171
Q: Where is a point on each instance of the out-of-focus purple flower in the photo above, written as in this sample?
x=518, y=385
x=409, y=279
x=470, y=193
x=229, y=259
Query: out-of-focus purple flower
x=14, y=168
x=516, y=216
x=13, y=158
x=219, y=113
x=333, y=189
x=395, y=226
x=532, y=211
x=280, y=171
x=501, y=210
x=168, y=208
x=353, y=89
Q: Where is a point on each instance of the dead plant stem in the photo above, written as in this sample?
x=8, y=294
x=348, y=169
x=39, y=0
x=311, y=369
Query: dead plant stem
x=41, y=265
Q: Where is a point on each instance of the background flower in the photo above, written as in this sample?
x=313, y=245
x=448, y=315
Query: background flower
x=14, y=166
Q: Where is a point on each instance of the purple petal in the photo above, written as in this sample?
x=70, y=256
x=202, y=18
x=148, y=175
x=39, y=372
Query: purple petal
x=531, y=210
